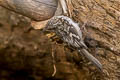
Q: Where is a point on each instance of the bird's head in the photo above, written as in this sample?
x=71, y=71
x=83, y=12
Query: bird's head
x=51, y=24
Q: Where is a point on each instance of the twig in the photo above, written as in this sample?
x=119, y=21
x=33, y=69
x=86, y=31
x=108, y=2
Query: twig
x=54, y=66
x=64, y=7
x=70, y=7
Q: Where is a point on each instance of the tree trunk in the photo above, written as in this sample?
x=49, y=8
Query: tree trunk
x=103, y=21
x=27, y=54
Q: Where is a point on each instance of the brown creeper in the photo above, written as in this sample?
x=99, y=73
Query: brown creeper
x=70, y=32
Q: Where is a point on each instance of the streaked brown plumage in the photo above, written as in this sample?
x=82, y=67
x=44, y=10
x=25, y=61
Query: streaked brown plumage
x=70, y=32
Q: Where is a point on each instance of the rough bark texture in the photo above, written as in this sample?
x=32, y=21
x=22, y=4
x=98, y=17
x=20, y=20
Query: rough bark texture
x=103, y=26
x=26, y=54
x=35, y=9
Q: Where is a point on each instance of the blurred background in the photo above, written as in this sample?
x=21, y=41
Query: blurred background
x=25, y=53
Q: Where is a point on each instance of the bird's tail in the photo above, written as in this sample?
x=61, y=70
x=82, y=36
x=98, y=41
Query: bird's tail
x=91, y=58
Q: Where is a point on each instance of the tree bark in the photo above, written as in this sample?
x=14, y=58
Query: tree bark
x=103, y=21
x=30, y=51
x=35, y=9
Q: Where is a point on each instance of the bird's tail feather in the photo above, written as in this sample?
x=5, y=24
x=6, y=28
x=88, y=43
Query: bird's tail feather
x=92, y=59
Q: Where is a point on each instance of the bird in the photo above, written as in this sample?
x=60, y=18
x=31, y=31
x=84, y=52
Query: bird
x=69, y=31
